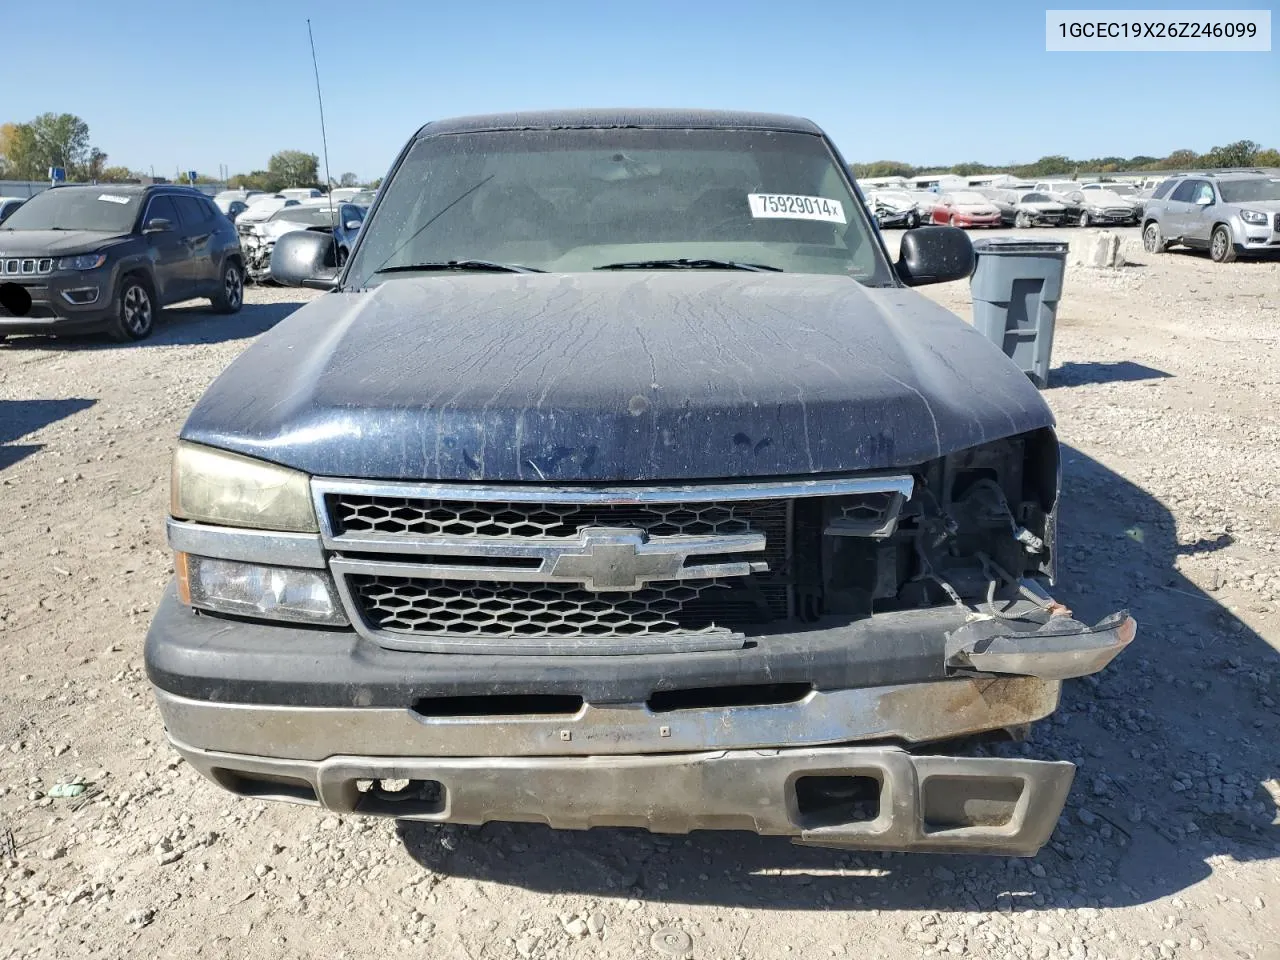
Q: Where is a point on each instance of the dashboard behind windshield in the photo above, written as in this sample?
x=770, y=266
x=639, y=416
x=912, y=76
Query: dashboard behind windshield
x=576, y=200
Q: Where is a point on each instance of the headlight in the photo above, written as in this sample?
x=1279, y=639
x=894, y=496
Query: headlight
x=254, y=590
x=88, y=261
x=213, y=486
x=1253, y=216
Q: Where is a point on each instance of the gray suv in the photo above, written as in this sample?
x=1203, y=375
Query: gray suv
x=1229, y=214
x=109, y=257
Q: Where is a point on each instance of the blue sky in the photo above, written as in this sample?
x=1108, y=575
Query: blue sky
x=193, y=86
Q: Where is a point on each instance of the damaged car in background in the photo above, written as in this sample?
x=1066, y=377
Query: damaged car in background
x=1028, y=208
x=1101, y=207
x=546, y=511
x=894, y=208
x=966, y=208
x=1127, y=192
x=258, y=238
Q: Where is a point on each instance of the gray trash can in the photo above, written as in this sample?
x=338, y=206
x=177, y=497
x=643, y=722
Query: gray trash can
x=1016, y=287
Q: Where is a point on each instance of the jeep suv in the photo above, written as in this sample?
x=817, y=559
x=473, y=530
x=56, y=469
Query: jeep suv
x=1228, y=214
x=109, y=257
x=622, y=479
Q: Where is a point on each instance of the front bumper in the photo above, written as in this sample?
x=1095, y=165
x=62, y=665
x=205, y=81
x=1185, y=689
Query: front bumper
x=1105, y=218
x=1256, y=239
x=64, y=301
x=320, y=716
x=1043, y=219
x=913, y=803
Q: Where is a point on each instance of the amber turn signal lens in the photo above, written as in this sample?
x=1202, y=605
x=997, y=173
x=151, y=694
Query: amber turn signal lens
x=181, y=570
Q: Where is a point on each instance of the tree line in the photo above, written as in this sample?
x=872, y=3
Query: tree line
x=1241, y=153
x=28, y=150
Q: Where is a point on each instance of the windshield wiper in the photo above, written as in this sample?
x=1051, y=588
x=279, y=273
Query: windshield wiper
x=684, y=263
x=488, y=266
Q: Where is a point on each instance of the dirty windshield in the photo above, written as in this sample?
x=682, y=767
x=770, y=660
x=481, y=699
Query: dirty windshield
x=97, y=208
x=580, y=200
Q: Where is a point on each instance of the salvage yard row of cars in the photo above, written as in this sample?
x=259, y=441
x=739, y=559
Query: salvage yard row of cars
x=1048, y=203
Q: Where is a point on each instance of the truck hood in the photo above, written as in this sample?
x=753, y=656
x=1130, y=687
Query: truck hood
x=615, y=376
x=52, y=243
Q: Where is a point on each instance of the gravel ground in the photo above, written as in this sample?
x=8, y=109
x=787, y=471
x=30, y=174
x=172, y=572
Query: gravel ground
x=1166, y=388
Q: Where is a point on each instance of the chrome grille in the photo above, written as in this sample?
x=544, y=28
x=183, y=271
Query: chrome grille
x=488, y=569
x=504, y=610
x=25, y=266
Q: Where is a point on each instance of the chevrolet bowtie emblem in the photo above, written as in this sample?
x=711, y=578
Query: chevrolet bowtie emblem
x=624, y=559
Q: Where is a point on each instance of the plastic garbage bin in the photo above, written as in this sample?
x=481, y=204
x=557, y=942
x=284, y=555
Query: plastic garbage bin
x=1016, y=286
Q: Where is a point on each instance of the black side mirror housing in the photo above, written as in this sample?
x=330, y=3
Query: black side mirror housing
x=935, y=255
x=158, y=225
x=305, y=258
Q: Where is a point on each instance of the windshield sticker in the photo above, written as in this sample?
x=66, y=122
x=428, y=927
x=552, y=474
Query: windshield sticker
x=112, y=198
x=789, y=206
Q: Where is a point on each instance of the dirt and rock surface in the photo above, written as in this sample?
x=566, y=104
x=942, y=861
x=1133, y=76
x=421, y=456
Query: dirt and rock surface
x=1167, y=391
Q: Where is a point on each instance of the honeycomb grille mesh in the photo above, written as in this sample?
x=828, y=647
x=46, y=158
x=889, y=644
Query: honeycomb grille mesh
x=417, y=517
x=496, y=609
x=872, y=509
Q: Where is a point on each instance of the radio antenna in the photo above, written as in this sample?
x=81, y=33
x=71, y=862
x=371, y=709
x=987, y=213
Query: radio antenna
x=324, y=140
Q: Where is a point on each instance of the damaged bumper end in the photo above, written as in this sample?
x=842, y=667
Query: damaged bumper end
x=874, y=798
x=1060, y=649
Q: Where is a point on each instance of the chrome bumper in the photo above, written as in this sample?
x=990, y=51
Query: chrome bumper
x=916, y=803
x=739, y=767
x=911, y=713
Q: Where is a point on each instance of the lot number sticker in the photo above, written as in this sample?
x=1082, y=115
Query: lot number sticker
x=112, y=198
x=790, y=206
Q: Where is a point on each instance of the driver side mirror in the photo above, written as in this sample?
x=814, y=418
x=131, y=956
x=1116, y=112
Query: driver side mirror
x=1203, y=201
x=305, y=258
x=158, y=225
x=935, y=255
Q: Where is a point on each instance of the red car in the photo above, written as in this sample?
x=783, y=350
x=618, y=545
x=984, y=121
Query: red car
x=966, y=209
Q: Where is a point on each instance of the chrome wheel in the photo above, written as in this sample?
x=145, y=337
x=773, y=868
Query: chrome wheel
x=1020, y=221
x=1084, y=220
x=233, y=287
x=135, y=310
x=1152, y=241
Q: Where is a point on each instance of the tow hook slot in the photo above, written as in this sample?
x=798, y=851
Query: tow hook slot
x=400, y=798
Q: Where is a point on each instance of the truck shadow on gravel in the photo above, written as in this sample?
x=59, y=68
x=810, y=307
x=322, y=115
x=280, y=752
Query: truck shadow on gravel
x=1118, y=371
x=1173, y=743
x=181, y=324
